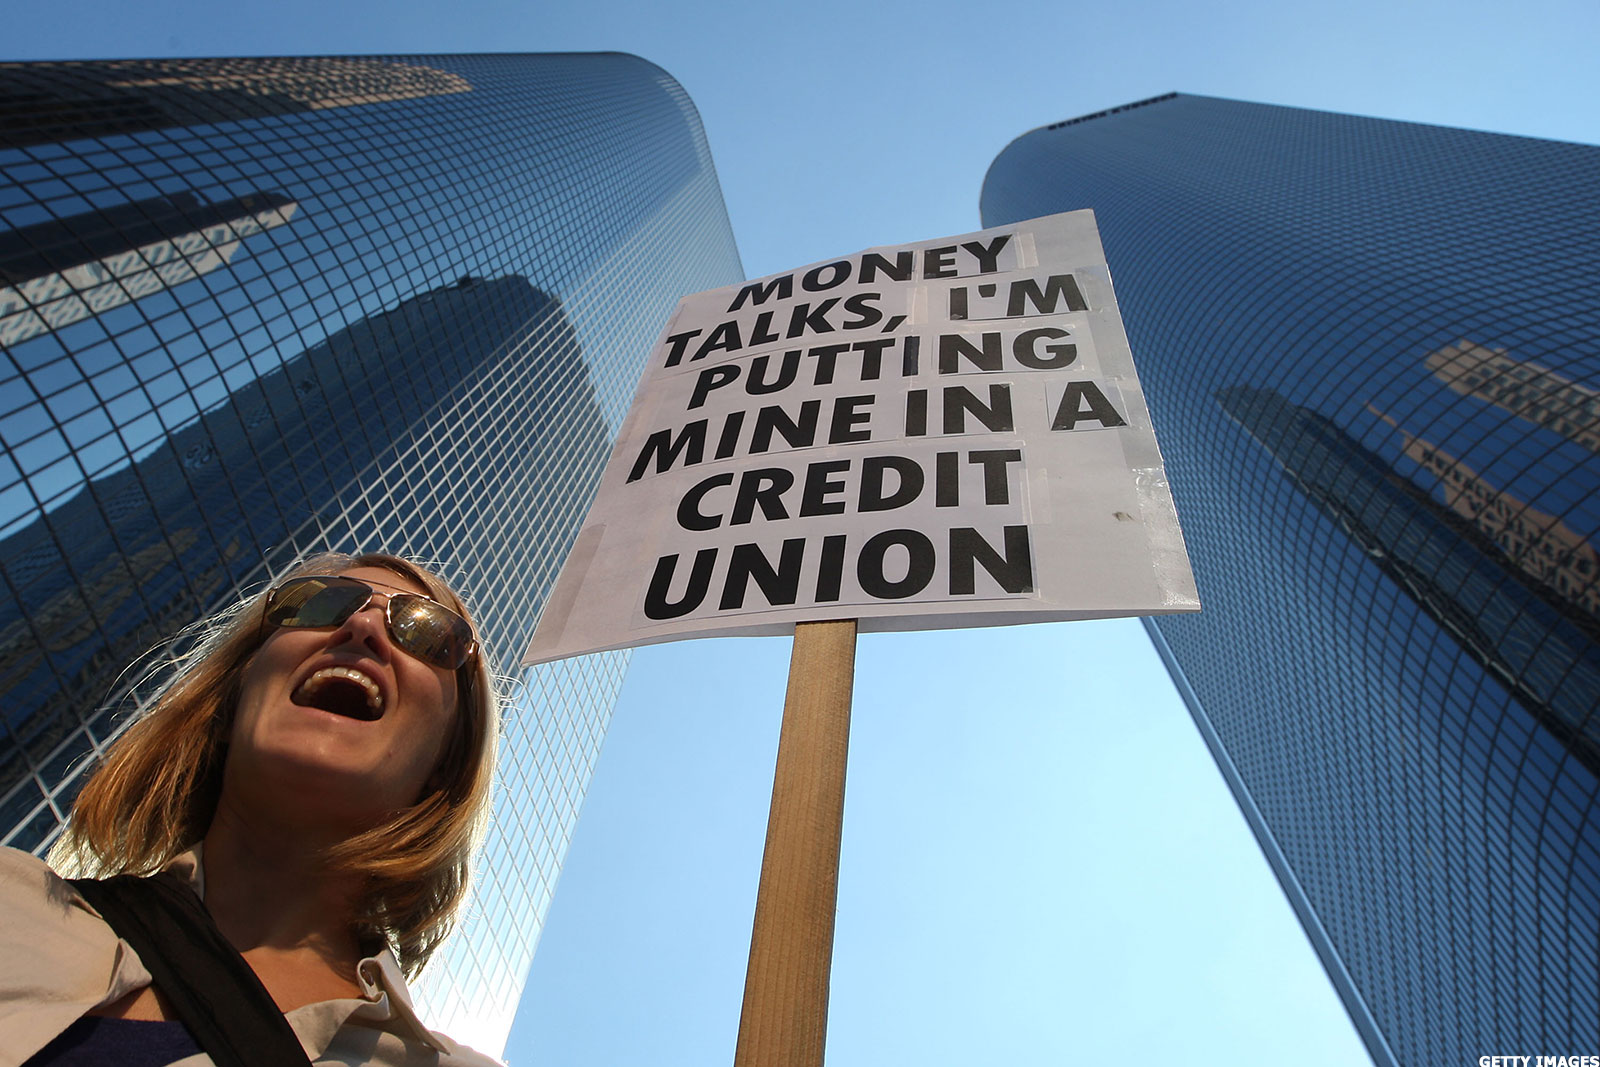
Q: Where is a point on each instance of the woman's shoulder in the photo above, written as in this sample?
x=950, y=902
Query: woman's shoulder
x=16, y=863
x=60, y=958
x=43, y=917
x=29, y=886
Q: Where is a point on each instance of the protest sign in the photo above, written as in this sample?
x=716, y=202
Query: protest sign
x=946, y=433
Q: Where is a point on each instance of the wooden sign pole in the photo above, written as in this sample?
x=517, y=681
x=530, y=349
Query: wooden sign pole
x=784, y=1022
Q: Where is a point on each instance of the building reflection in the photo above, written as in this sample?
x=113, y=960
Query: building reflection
x=1537, y=394
x=44, y=103
x=62, y=271
x=1514, y=587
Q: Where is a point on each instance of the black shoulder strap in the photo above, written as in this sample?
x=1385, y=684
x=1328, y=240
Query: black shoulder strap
x=231, y=1014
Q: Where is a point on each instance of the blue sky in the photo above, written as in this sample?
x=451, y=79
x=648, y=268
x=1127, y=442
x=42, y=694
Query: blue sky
x=1040, y=863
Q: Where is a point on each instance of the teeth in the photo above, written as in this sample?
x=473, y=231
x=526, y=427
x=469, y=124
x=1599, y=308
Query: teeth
x=326, y=674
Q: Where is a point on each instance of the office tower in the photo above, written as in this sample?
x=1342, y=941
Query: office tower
x=1369, y=348
x=254, y=308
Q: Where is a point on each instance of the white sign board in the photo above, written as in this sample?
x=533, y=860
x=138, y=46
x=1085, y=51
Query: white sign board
x=947, y=433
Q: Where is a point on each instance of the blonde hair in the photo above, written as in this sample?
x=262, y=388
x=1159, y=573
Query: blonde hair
x=154, y=795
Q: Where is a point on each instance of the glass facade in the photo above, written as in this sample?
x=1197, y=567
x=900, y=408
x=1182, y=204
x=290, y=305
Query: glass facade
x=1372, y=352
x=252, y=308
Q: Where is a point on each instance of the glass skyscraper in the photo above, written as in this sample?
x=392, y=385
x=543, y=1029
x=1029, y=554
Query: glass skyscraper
x=257, y=307
x=1372, y=351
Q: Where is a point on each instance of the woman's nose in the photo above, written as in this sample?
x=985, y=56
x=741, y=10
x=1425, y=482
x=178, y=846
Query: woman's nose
x=369, y=626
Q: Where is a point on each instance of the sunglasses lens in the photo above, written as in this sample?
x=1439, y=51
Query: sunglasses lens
x=430, y=631
x=316, y=601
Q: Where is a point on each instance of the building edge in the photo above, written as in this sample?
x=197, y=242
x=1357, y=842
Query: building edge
x=697, y=127
x=1354, y=1004
x=1106, y=112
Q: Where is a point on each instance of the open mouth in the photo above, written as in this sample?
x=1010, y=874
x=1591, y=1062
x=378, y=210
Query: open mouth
x=342, y=691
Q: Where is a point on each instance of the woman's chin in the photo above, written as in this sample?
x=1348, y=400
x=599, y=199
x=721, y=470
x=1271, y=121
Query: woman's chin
x=328, y=801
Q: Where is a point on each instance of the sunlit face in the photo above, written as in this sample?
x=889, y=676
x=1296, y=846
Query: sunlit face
x=338, y=728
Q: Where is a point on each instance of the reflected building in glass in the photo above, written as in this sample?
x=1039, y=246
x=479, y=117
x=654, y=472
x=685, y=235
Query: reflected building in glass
x=1370, y=349
x=254, y=308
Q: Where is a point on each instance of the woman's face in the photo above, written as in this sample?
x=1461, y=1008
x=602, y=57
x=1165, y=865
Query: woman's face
x=338, y=727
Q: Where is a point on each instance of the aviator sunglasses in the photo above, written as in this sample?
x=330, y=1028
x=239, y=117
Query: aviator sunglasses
x=419, y=626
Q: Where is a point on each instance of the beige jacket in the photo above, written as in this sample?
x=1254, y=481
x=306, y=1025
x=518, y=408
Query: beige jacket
x=59, y=960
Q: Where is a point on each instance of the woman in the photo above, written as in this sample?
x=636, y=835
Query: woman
x=320, y=775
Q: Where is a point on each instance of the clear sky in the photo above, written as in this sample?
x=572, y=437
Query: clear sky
x=1041, y=864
